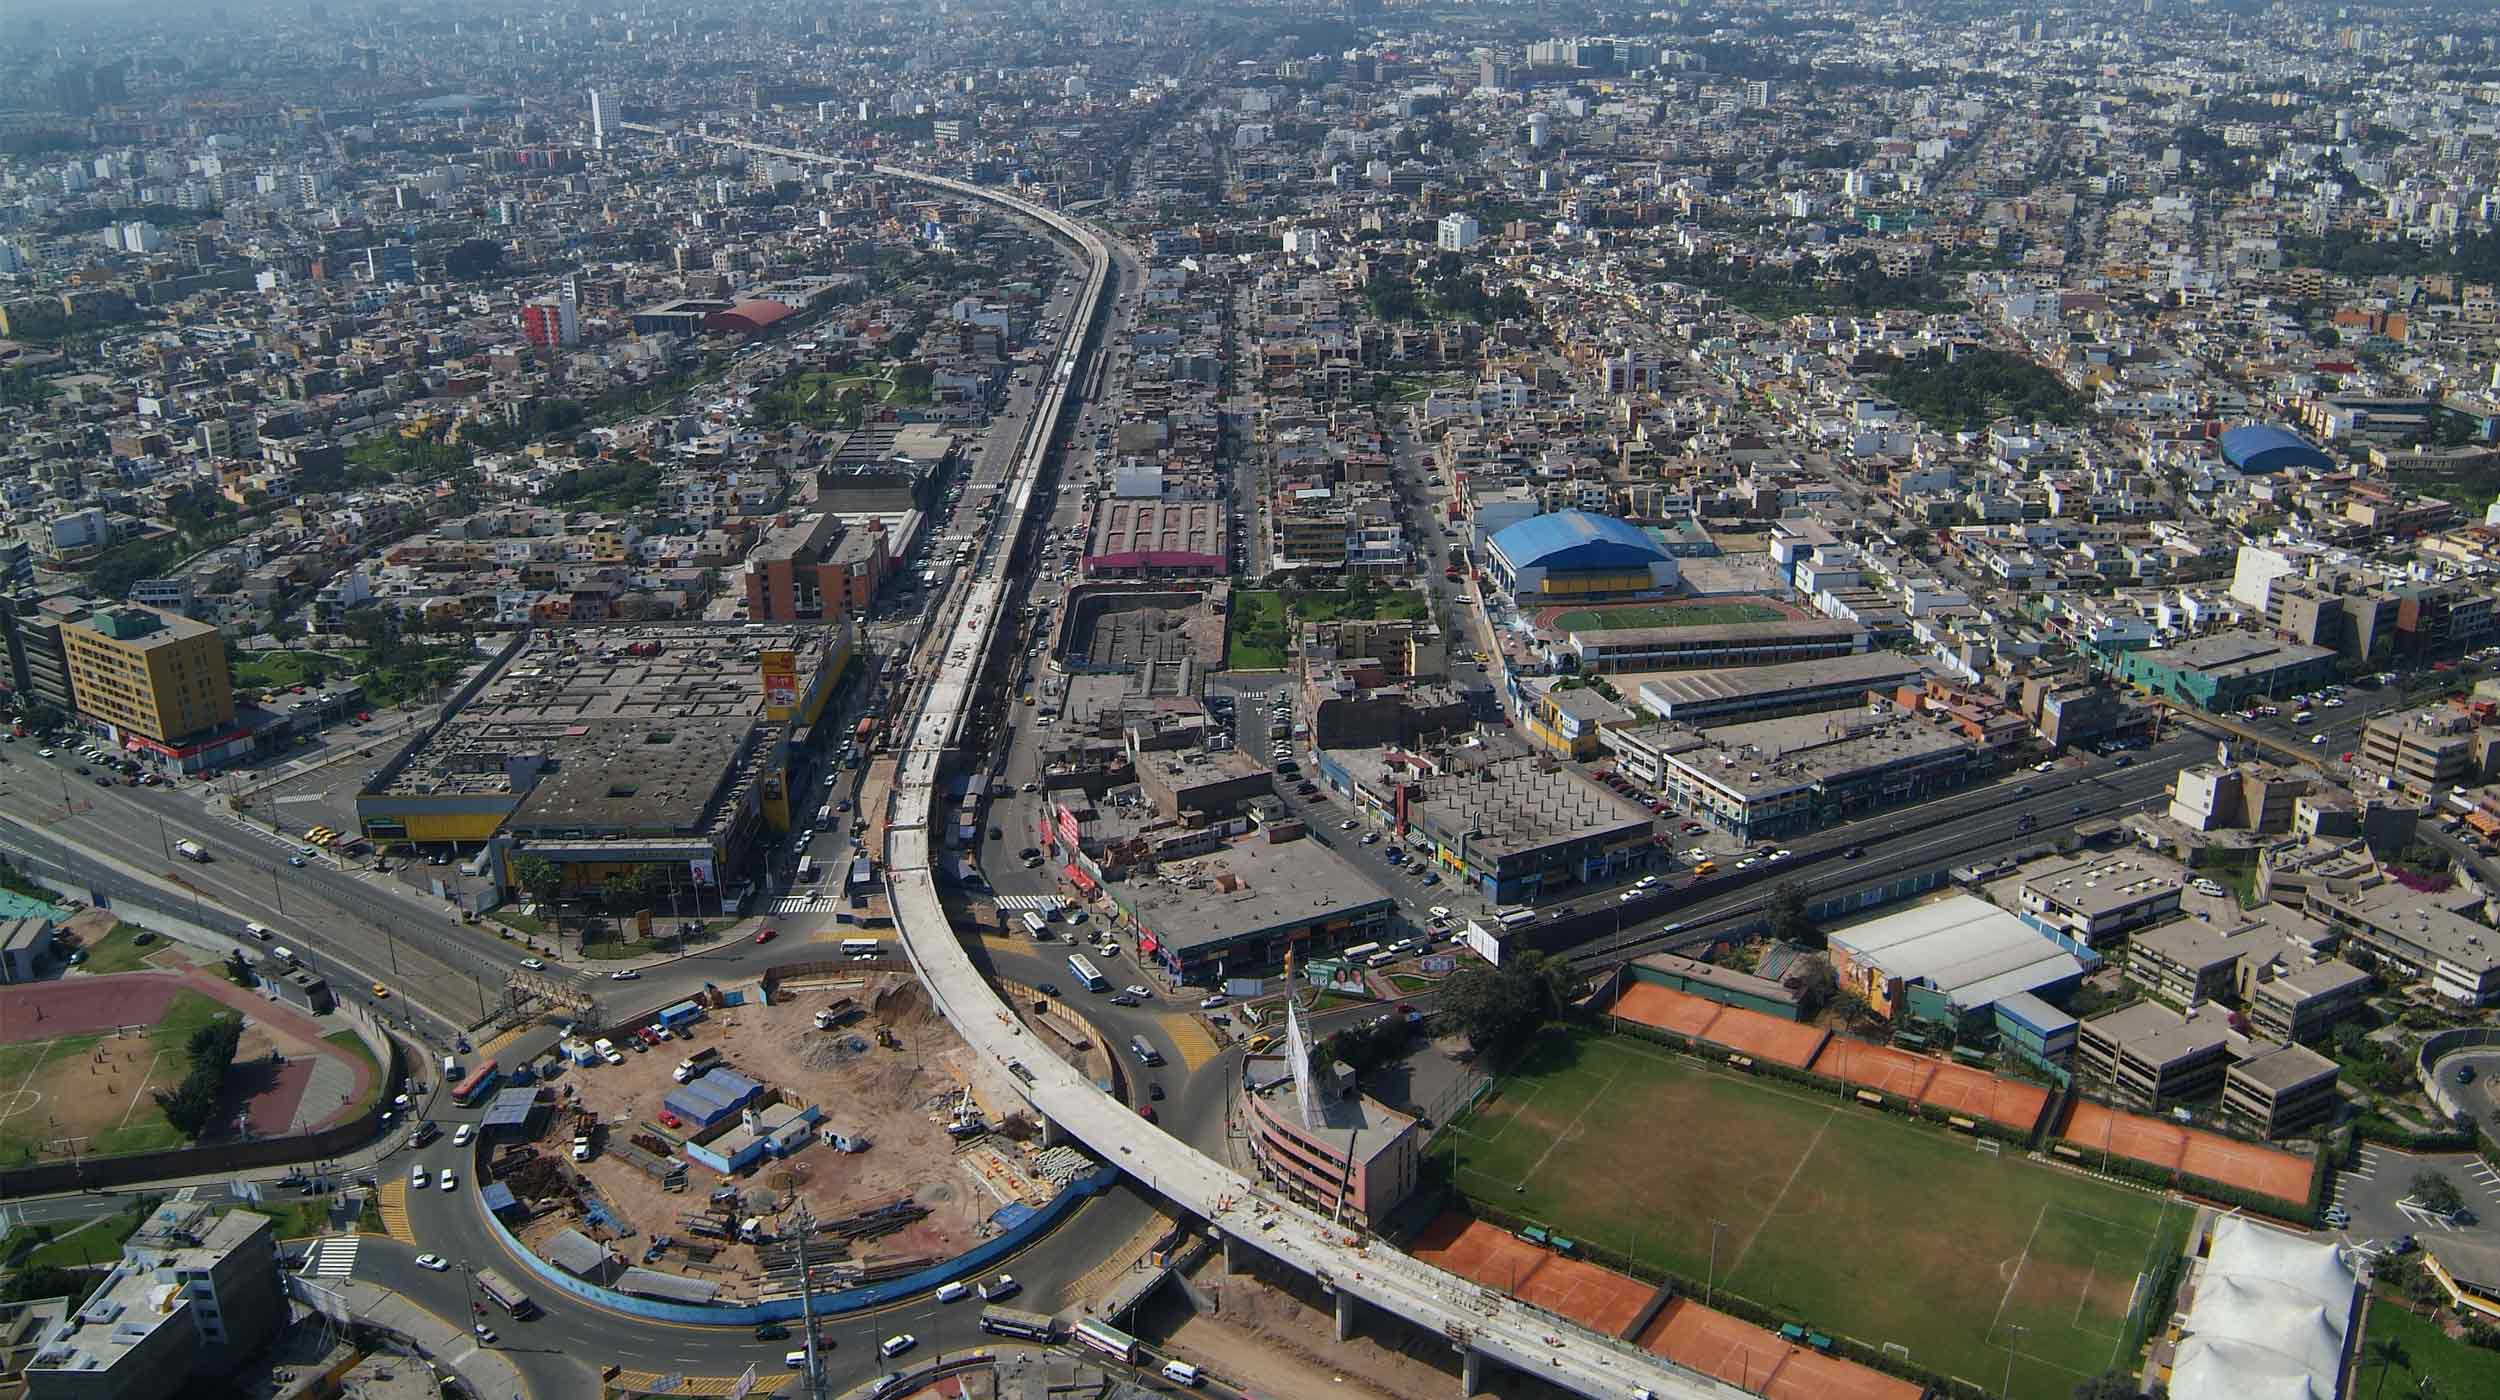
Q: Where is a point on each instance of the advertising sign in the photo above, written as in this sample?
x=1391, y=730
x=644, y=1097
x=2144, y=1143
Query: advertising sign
x=1486, y=942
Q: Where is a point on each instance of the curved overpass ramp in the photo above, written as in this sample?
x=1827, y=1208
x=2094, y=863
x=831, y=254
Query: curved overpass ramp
x=1478, y=1322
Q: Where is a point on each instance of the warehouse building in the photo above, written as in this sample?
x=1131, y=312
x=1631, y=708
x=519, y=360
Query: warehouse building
x=1606, y=649
x=619, y=751
x=1951, y=962
x=1763, y=692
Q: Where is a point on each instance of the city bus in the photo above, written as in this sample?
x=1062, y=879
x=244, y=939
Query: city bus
x=1086, y=975
x=861, y=947
x=1034, y=925
x=1015, y=1322
x=1359, y=952
x=478, y=1085
x=1514, y=916
x=507, y=1297
x=1108, y=1340
x=807, y=870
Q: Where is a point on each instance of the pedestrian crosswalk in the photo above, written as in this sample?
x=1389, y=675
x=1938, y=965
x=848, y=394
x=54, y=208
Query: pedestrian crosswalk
x=333, y=1257
x=1032, y=903
x=807, y=904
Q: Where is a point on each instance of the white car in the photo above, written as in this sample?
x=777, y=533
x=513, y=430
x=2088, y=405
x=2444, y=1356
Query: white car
x=417, y=1177
x=1346, y=825
x=1209, y=1003
x=460, y=1136
x=533, y=964
x=624, y=974
x=1439, y=911
x=450, y=1180
x=897, y=1344
x=1137, y=989
x=433, y=1263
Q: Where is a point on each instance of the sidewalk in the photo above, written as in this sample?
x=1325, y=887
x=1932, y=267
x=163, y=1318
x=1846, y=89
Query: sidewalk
x=484, y=1370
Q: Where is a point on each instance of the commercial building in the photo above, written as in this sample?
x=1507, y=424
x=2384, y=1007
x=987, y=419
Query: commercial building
x=1159, y=536
x=1761, y=692
x=2425, y=936
x=2291, y=995
x=2225, y=670
x=196, y=1292
x=153, y=681
x=1458, y=232
x=2239, y=797
x=2271, y=1315
x=2280, y=1089
x=2148, y=1054
x=814, y=569
x=1571, y=555
x=1951, y=961
x=1718, y=644
x=1316, y=1134
x=2431, y=748
x=1784, y=777
x=656, y=753
x=1237, y=908
x=1513, y=830
x=2097, y=901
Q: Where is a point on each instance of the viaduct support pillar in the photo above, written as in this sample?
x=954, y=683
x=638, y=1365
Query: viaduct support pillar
x=1345, y=1316
x=1471, y=1370
x=1236, y=1259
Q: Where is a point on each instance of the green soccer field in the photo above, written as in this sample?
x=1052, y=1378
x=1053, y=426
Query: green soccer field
x=1666, y=615
x=1849, y=1221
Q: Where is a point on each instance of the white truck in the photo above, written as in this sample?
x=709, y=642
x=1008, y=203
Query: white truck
x=191, y=850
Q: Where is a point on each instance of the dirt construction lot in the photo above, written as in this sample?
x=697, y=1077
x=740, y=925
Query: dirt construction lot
x=898, y=1095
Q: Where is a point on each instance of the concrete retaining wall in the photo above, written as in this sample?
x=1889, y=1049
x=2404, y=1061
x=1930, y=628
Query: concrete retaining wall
x=972, y=1261
x=2438, y=1047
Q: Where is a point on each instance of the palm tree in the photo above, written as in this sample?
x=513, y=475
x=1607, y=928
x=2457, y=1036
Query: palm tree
x=2386, y=1353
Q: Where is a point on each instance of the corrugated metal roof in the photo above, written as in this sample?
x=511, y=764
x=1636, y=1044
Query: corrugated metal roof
x=1965, y=947
x=1603, y=537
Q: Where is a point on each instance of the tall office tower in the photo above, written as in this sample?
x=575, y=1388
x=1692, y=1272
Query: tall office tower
x=598, y=121
x=569, y=311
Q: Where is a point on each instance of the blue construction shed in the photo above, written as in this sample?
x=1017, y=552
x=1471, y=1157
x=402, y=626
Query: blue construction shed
x=2263, y=447
x=683, y=1013
x=708, y=1098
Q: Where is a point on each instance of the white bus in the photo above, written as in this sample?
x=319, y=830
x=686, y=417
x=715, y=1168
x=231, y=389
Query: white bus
x=1361, y=951
x=1514, y=916
x=807, y=870
x=1102, y=1337
x=1083, y=970
x=1380, y=959
x=1012, y=1322
x=1033, y=924
x=861, y=947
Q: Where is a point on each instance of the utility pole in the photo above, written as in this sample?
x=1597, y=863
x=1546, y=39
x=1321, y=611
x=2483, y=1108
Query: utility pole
x=806, y=1225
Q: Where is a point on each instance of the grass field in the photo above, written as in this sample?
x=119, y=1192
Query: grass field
x=1849, y=1221
x=121, y=950
x=48, y=1092
x=1666, y=615
x=2455, y=1369
x=1257, y=631
x=269, y=670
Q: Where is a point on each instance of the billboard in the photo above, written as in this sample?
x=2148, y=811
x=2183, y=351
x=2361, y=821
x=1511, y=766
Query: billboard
x=781, y=683
x=1486, y=943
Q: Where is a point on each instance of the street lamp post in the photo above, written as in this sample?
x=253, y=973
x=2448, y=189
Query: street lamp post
x=2010, y=1353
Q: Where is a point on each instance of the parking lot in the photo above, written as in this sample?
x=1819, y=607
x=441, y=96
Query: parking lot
x=2377, y=1197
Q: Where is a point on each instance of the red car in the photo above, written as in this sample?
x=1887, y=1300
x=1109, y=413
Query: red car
x=1146, y=1111
x=669, y=1120
x=765, y=935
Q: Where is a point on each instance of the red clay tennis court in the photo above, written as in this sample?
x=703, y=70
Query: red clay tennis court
x=2179, y=1148
x=1978, y=1094
x=1878, y=1067
x=1745, y=1032
x=1596, y=1298
x=1735, y=1351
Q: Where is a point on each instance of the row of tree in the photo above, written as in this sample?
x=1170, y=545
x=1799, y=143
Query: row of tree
x=192, y=1104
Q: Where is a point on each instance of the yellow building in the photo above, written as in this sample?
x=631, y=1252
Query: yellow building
x=149, y=674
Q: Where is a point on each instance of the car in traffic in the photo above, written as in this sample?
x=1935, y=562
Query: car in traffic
x=897, y=1344
x=433, y=1263
x=1209, y=1003
x=450, y=1179
x=766, y=935
x=534, y=964
x=624, y=974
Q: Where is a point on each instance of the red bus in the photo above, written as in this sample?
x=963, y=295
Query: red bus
x=866, y=735
x=477, y=1085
